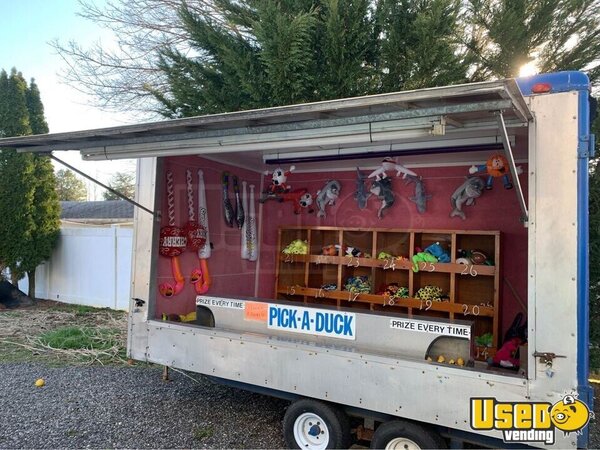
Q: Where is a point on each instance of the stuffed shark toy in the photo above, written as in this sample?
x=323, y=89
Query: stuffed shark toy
x=465, y=194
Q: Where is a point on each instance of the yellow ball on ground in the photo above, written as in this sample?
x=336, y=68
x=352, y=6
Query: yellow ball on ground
x=40, y=382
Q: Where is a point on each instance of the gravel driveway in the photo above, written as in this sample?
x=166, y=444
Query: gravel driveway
x=130, y=407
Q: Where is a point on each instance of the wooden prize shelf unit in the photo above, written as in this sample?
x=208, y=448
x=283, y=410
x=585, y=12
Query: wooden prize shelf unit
x=472, y=290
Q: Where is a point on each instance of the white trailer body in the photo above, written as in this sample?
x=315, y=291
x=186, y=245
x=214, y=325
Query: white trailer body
x=377, y=370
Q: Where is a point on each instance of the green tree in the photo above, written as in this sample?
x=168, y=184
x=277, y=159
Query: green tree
x=556, y=34
x=16, y=169
x=69, y=187
x=122, y=182
x=29, y=210
x=302, y=51
x=420, y=47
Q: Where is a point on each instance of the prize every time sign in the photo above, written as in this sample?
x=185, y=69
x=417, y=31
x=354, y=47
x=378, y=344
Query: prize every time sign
x=424, y=326
x=322, y=322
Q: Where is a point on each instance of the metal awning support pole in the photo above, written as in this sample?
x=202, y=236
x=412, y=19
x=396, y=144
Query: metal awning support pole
x=108, y=188
x=513, y=168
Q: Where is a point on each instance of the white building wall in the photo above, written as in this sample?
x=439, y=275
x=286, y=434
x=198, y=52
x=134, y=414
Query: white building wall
x=90, y=266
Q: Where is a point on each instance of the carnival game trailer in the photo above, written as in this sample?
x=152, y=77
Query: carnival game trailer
x=409, y=269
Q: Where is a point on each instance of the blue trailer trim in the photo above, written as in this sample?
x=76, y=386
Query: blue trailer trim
x=583, y=275
x=560, y=82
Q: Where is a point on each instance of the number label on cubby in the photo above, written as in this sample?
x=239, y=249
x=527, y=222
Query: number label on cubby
x=428, y=266
x=389, y=263
x=469, y=270
x=474, y=310
x=353, y=262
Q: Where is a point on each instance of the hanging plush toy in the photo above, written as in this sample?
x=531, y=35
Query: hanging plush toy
x=327, y=196
x=300, y=198
x=495, y=167
x=383, y=190
x=387, y=165
x=278, y=184
x=420, y=197
x=465, y=194
x=362, y=194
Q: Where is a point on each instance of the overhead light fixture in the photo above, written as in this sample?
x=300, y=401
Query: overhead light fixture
x=380, y=151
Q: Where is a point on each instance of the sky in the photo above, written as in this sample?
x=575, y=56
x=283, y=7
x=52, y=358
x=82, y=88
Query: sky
x=26, y=28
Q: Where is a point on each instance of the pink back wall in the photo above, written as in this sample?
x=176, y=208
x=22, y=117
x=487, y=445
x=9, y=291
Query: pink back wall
x=230, y=274
x=496, y=209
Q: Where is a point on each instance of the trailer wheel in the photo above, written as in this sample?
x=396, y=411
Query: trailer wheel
x=399, y=434
x=314, y=425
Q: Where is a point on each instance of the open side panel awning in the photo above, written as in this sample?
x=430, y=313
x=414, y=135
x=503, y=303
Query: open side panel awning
x=445, y=125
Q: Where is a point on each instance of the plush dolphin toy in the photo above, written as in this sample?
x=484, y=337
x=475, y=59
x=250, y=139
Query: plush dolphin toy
x=327, y=196
x=466, y=195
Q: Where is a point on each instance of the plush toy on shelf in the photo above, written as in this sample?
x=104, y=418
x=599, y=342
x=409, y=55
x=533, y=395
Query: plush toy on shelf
x=438, y=251
x=296, y=247
x=422, y=257
x=495, y=167
x=433, y=293
x=506, y=356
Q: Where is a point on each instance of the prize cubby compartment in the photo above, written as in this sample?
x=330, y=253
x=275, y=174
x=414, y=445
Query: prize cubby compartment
x=393, y=243
x=425, y=239
x=432, y=308
x=359, y=239
x=322, y=274
x=487, y=243
x=320, y=238
x=290, y=277
x=476, y=297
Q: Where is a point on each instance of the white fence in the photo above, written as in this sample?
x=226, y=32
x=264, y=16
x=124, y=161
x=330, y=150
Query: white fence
x=90, y=266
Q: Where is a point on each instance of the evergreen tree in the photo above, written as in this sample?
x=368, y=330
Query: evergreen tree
x=29, y=209
x=122, y=182
x=286, y=52
x=420, y=48
x=16, y=170
x=35, y=108
x=69, y=187
x=557, y=34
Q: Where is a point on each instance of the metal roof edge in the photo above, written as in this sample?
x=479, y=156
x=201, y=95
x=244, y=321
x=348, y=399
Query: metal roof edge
x=289, y=111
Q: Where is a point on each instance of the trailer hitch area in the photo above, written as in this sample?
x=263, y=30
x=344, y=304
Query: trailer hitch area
x=547, y=357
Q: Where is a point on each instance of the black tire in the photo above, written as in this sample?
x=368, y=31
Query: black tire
x=335, y=425
x=421, y=437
